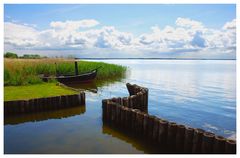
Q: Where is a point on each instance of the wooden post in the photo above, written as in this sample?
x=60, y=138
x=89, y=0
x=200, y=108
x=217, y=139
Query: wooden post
x=163, y=132
x=155, y=129
x=130, y=89
x=114, y=99
x=6, y=108
x=219, y=145
x=125, y=101
x=141, y=123
x=150, y=126
x=207, y=142
x=26, y=106
x=138, y=122
x=188, y=141
x=180, y=138
x=49, y=100
x=109, y=111
x=171, y=136
x=71, y=101
x=113, y=113
x=127, y=118
x=134, y=101
x=133, y=118
x=118, y=113
x=230, y=147
x=145, y=124
x=38, y=104
x=197, y=140
x=123, y=115
x=104, y=109
x=76, y=68
x=119, y=100
x=22, y=108
x=140, y=100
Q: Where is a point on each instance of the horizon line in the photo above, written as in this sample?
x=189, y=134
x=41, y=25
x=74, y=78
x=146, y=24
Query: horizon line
x=156, y=58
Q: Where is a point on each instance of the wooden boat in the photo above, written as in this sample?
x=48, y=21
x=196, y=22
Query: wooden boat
x=86, y=77
x=77, y=78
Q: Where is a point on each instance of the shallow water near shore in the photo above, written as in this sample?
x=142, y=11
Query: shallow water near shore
x=197, y=93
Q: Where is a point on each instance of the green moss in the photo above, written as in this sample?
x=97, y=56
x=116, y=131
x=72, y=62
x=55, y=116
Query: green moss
x=35, y=91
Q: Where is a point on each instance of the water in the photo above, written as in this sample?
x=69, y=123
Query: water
x=198, y=93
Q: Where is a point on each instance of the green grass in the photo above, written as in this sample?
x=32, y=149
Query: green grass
x=26, y=71
x=34, y=91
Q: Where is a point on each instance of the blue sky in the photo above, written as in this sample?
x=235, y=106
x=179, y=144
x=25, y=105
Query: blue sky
x=137, y=27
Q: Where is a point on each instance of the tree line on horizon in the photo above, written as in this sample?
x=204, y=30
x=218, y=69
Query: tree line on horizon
x=13, y=55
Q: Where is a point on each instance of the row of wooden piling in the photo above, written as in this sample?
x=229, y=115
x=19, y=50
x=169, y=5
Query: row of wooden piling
x=43, y=104
x=175, y=138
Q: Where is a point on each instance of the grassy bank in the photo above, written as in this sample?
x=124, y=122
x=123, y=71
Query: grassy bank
x=25, y=71
x=34, y=91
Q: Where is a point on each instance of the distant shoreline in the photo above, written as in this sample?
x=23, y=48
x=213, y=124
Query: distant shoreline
x=147, y=59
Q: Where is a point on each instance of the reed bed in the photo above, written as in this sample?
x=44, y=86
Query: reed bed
x=27, y=71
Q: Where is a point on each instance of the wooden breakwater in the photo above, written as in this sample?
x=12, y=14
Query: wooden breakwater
x=43, y=104
x=137, y=99
x=173, y=137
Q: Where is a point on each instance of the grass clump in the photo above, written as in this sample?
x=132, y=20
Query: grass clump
x=35, y=91
x=26, y=71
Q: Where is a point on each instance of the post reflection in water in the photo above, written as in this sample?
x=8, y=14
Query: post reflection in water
x=46, y=115
x=137, y=142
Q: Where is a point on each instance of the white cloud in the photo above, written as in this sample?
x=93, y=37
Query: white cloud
x=20, y=35
x=230, y=25
x=188, y=23
x=186, y=36
x=73, y=25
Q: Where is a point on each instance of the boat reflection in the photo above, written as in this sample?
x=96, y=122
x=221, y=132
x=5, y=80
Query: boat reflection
x=46, y=115
x=89, y=86
x=95, y=85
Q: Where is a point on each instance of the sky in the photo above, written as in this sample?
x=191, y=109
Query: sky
x=130, y=30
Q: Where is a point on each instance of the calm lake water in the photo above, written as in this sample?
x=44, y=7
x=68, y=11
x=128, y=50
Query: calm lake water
x=198, y=93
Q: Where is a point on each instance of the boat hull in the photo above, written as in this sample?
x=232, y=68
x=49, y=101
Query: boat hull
x=86, y=77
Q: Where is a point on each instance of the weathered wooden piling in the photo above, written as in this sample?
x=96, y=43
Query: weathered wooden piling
x=180, y=135
x=219, y=145
x=22, y=107
x=150, y=126
x=109, y=112
x=230, y=147
x=134, y=102
x=145, y=124
x=163, y=132
x=207, y=142
x=171, y=136
x=188, y=140
x=133, y=120
x=113, y=113
x=118, y=115
x=104, y=109
x=197, y=140
x=155, y=129
x=125, y=101
x=123, y=116
x=139, y=122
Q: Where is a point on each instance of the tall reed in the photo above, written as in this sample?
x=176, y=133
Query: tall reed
x=27, y=71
